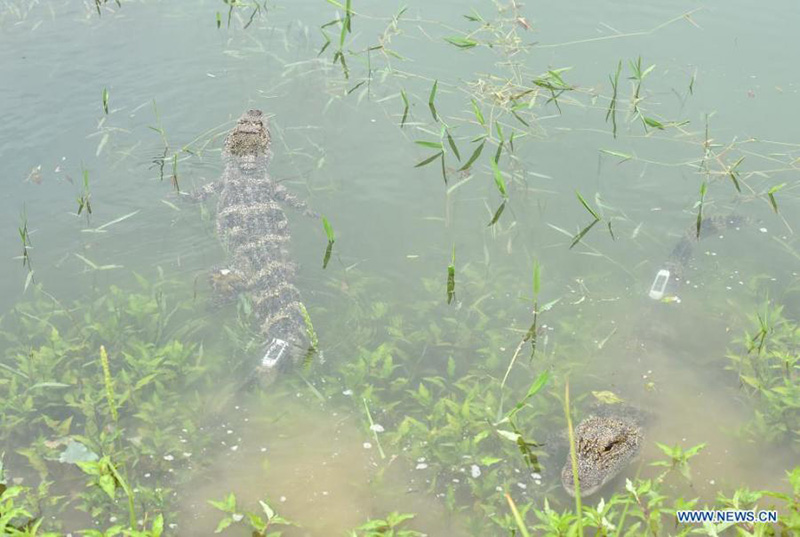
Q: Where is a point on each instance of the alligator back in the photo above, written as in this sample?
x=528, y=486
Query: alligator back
x=255, y=232
x=672, y=271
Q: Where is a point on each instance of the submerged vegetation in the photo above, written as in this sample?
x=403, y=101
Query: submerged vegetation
x=767, y=362
x=101, y=402
x=114, y=402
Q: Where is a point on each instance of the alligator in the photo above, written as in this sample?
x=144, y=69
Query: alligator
x=605, y=443
x=671, y=273
x=254, y=230
x=611, y=437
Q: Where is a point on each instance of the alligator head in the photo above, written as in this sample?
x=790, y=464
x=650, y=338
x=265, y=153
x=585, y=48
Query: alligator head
x=604, y=446
x=249, y=140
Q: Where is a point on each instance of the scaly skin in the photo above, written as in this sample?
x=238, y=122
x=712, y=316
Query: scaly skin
x=608, y=440
x=604, y=446
x=255, y=232
x=682, y=253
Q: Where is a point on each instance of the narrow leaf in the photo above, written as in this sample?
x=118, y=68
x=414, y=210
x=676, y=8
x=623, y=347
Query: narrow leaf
x=478, y=114
x=328, y=229
x=453, y=145
x=431, y=99
x=586, y=205
x=474, y=157
x=429, y=159
x=498, y=179
x=461, y=42
x=497, y=214
x=582, y=233
x=405, y=107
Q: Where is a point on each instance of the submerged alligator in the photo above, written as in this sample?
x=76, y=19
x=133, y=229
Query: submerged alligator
x=672, y=271
x=255, y=233
x=605, y=443
x=611, y=437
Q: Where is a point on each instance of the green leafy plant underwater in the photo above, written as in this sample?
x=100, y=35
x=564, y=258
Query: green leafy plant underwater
x=100, y=398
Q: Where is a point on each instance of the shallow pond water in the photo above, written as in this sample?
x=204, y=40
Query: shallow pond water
x=718, y=108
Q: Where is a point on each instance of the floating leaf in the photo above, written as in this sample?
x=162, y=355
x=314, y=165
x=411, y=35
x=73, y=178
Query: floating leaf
x=498, y=179
x=354, y=88
x=429, y=159
x=771, y=193
x=478, y=114
x=327, y=257
x=328, y=230
x=453, y=145
x=431, y=99
x=699, y=222
x=405, y=107
x=612, y=105
x=582, y=233
x=432, y=145
x=498, y=152
x=461, y=42
x=497, y=214
x=474, y=157
x=653, y=122
x=586, y=205
x=514, y=113
x=607, y=397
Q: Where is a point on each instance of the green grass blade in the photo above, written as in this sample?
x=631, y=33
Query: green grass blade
x=582, y=233
x=498, y=179
x=587, y=207
x=105, y=100
x=429, y=159
x=453, y=145
x=461, y=42
x=328, y=230
x=405, y=107
x=699, y=222
x=473, y=157
x=573, y=457
x=451, y=277
x=497, y=214
x=478, y=113
x=327, y=256
x=518, y=520
x=431, y=98
x=771, y=193
x=432, y=145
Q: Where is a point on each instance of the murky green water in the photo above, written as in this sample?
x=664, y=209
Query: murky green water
x=722, y=88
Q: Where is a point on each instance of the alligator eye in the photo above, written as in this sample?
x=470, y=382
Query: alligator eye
x=608, y=447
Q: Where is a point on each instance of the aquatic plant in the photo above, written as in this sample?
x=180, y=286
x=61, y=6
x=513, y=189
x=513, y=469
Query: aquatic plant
x=24, y=236
x=259, y=523
x=121, y=410
x=767, y=363
x=387, y=527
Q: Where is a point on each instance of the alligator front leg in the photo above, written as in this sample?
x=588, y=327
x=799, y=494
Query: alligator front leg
x=283, y=195
x=204, y=192
x=227, y=283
